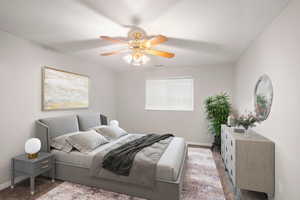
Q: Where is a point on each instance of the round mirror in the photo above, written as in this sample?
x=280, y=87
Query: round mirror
x=263, y=95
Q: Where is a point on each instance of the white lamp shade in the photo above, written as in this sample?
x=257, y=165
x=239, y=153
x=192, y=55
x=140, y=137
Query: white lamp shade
x=33, y=146
x=114, y=123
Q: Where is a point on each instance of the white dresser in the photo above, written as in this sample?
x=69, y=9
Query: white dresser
x=249, y=160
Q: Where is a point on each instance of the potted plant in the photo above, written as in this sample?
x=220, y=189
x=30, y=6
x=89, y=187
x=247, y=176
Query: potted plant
x=247, y=121
x=217, y=108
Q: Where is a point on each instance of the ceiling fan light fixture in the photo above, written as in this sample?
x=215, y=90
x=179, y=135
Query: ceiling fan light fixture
x=136, y=60
x=147, y=44
x=139, y=44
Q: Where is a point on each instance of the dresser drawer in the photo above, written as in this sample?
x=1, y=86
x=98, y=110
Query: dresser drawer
x=223, y=144
x=230, y=143
x=231, y=173
x=228, y=152
x=231, y=168
x=223, y=147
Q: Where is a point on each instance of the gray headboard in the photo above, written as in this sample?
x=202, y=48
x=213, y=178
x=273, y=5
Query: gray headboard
x=48, y=128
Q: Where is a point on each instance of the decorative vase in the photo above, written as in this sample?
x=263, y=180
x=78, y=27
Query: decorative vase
x=247, y=132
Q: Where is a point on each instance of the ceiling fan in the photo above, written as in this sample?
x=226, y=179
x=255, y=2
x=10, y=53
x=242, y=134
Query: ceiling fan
x=139, y=45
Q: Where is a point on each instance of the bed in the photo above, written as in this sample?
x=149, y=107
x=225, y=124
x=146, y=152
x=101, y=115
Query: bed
x=74, y=166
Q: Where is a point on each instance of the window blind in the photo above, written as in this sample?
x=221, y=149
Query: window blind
x=170, y=94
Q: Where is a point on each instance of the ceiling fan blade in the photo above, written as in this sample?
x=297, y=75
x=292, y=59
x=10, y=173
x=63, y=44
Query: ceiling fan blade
x=81, y=45
x=112, y=52
x=160, y=53
x=156, y=40
x=198, y=46
x=115, y=40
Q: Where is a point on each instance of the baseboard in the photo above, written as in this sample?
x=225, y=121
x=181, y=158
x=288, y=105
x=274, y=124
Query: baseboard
x=197, y=144
x=7, y=183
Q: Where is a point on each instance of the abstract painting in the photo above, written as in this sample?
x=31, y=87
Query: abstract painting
x=64, y=90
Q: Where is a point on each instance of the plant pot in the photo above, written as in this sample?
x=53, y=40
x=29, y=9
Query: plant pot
x=217, y=143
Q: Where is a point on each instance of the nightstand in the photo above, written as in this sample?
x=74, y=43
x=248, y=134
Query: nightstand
x=21, y=165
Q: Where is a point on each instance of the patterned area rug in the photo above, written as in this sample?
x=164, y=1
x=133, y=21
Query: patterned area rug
x=202, y=182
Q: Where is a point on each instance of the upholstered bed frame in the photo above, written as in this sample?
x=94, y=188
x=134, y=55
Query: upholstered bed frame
x=53, y=127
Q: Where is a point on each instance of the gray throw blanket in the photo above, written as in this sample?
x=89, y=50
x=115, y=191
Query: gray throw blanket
x=120, y=160
x=142, y=167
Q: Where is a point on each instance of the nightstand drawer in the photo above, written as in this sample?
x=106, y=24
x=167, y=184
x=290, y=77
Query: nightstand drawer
x=42, y=168
x=33, y=168
x=23, y=167
x=43, y=163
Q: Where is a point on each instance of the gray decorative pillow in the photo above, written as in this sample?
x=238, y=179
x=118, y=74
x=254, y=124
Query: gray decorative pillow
x=86, y=141
x=60, y=142
x=111, y=132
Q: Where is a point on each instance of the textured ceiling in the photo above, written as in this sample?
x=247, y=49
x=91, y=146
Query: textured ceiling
x=200, y=31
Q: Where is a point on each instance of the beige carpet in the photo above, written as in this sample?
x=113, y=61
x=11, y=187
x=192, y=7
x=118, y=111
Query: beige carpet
x=202, y=182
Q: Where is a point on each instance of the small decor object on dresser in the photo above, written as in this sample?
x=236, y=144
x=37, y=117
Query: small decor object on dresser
x=32, y=148
x=231, y=120
x=246, y=121
x=23, y=166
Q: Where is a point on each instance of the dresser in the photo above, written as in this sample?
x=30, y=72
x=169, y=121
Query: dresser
x=249, y=160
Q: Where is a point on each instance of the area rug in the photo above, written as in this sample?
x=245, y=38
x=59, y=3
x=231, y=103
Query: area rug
x=201, y=182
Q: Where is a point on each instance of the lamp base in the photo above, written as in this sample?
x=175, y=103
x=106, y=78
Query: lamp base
x=32, y=156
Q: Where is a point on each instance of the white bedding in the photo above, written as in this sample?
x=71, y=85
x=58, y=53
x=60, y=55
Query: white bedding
x=168, y=166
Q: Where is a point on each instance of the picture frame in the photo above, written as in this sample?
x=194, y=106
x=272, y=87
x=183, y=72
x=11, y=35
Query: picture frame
x=64, y=90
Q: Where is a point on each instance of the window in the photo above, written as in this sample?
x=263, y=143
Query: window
x=170, y=94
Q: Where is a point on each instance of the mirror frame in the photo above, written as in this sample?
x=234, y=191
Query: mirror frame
x=272, y=96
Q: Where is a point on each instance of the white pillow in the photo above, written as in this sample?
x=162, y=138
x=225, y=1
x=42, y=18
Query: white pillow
x=111, y=132
x=86, y=141
x=60, y=142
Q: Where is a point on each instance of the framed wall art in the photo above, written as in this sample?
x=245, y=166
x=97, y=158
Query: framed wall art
x=62, y=90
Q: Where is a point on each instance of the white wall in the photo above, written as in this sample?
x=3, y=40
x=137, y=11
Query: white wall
x=209, y=80
x=20, y=92
x=276, y=53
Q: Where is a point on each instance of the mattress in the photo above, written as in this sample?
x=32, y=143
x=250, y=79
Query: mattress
x=168, y=167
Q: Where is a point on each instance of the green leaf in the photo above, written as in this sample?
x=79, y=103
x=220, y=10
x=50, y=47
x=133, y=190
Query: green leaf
x=217, y=110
